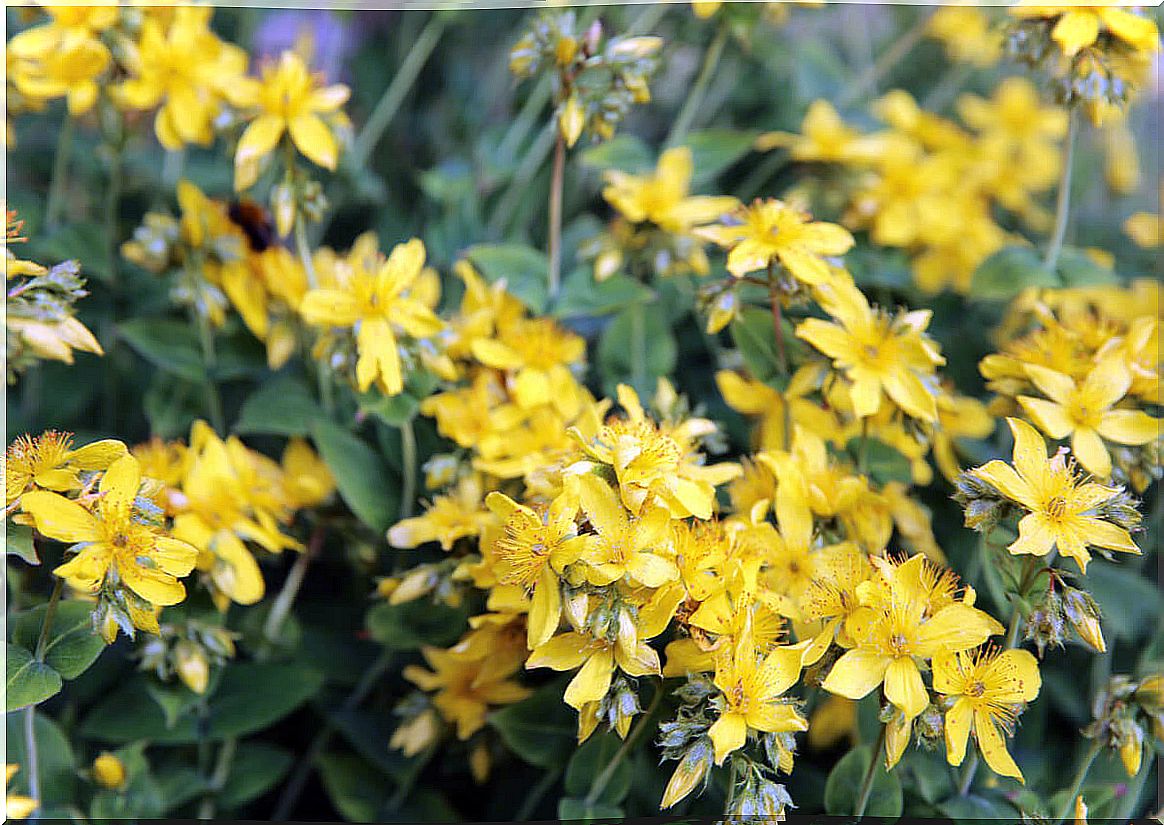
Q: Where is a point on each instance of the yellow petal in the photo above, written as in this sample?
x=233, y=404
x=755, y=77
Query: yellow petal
x=904, y=687
x=154, y=586
x=1055, y=385
x=315, y=140
x=856, y=674
x=958, y=719
x=1075, y=30
x=378, y=357
x=1049, y=416
x=592, y=681
x=1129, y=427
x=728, y=734
x=259, y=139
x=1088, y=447
x=59, y=518
x=545, y=609
x=564, y=652
x=993, y=747
x=953, y=628
x=329, y=307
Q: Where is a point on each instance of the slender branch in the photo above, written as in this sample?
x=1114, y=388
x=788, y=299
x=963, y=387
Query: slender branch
x=206, y=808
x=603, y=779
x=537, y=792
x=109, y=325
x=1063, y=200
x=56, y=196
x=777, y=319
x=1077, y=782
x=968, y=774
x=31, y=753
x=273, y=626
x=886, y=61
x=397, y=90
x=867, y=782
x=557, y=184
x=303, y=249
x=733, y=782
x=294, y=789
x=50, y=614
x=691, y=105
x=408, y=468
x=210, y=362
x=516, y=191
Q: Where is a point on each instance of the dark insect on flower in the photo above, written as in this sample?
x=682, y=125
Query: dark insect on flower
x=254, y=221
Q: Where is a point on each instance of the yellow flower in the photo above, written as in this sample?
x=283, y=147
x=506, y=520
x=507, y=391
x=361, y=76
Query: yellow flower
x=771, y=231
x=825, y=138
x=49, y=462
x=831, y=598
x=185, y=67
x=878, y=354
x=115, y=546
x=1062, y=510
x=662, y=198
x=755, y=398
x=372, y=300
x=307, y=481
x=1077, y=27
x=532, y=552
x=540, y=353
x=466, y=687
x=986, y=689
x=109, y=771
x=1083, y=410
x=60, y=59
x=597, y=659
x=287, y=100
x=967, y=34
x=900, y=621
x=623, y=547
x=15, y=805
x=450, y=517
x=752, y=688
x=1146, y=228
x=959, y=416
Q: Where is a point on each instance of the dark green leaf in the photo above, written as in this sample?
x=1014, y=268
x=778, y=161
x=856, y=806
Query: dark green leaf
x=71, y=646
x=29, y=682
x=362, y=478
x=583, y=296
x=410, y=625
x=638, y=339
x=55, y=761
x=18, y=542
x=282, y=406
x=80, y=241
x=179, y=784
x=974, y=808
x=1076, y=268
x=249, y=698
x=175, y=699
x=590, y=760
x=753, y=333
x=256, y=768
x=623, y=152
x=1129, y=603
x=524, y=269
x=362, y=794
x=140, y=797
x=169, y=345
x=842, y=791
x=714, y=150
x=541, y=729
x=882, y=462
x=1008, y=272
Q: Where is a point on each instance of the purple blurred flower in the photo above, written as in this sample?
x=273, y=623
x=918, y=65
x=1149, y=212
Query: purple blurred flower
x=333, y=38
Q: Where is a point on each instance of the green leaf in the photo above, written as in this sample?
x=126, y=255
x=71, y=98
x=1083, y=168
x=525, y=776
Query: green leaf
x=282, y=406
x=974, y=808
x=583, y=296
x=623, y=152
x=882, y=462
x=753, y=333
x=141, y=796
x=82, y=241
x=72, y=646
x=367, y=732
x=844, y=786
x=168, y=345
x=362, y=478
x=249, y=698
x=179, y=784
x=29, y=682
x=175, y=699
x=410, y=625
x=524, y=269
x=1130, y=604
x=619, y=346
x=590, y=760
x=172, y=404
x=1076, y=268
x=55, y=762
x=578, y=809
x=1008, y=272
x=362, y=794
x=18, y=542
x=256, y=768
x=541, y=729
x=714, y=150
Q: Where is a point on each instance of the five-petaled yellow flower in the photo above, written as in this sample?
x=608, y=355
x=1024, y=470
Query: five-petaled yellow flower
x=662, y=198
x=1083, y=410
x=624, y=546
x=373, y=297
x=1062, y=509
x=114, y=546
x=987, y=689
x=289, y=100
x=466, y=686
x=771, y=231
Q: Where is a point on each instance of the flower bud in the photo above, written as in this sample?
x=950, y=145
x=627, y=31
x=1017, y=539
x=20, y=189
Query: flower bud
x=572, y=120
x=415, y=584
x=283, y=208
x=192, y=667
x=565, y=50
x=1131, y=747
x=1083, y=614
x=109, y=771
x=417, y=733
x=692, y=769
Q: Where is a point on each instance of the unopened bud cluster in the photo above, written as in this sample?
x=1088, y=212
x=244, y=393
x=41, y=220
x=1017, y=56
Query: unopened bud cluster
x=188, y=651
x=1126, y=713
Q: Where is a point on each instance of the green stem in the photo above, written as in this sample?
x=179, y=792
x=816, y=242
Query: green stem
x=647, y=719
x=172, y=166
x=968, y=774
x=303, y=249
x=888, y=59
x=1131, y=799
x=218, y=779
x=397, y=90
x=733, y=782
x=294, y=789
x=56, y=196
x=867, y=782
x=536, y=793
x=1077, y=782
x=210, y=362
x=1016, y=622
x=698, y=91
x=763, y=172
x=557, y=184
x=408, y=468
x=50, y=615
x=31, y=753
x=518, y=186
x=777, y=319
x=409, y=781
x=947, y=87
x=1063, y=199
x=109, y=326
x=273, y=626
